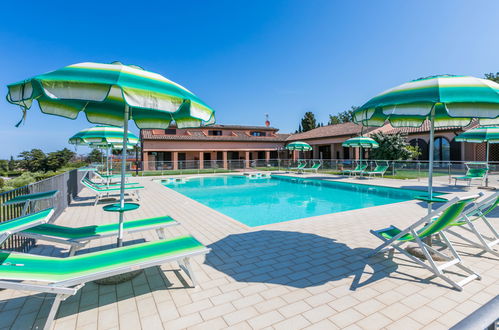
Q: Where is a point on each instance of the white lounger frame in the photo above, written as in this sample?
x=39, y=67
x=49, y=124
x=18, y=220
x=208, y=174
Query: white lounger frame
x=99, y=194
x=484, y=242
x=390, y=245
x=79, y=243
x=67, y=288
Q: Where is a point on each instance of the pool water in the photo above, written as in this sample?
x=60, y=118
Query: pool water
x=256, y=202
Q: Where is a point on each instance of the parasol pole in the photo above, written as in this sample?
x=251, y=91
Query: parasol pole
x=432, y=147
x=123, y=170
x=487, y=163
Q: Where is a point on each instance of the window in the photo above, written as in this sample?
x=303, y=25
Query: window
x=215, y=133
x=442, y=149
x=170, y=131
x=256, y=133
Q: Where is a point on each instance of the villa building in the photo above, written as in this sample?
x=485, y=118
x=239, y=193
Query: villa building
x=220, y=144
x=207, y=146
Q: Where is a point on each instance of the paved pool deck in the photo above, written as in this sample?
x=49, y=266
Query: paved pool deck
x=310, y=273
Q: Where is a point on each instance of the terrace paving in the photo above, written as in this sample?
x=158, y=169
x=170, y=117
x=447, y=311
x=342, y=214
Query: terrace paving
x=309, y=273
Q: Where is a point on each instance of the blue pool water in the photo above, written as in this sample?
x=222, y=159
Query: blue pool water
x=256, y=202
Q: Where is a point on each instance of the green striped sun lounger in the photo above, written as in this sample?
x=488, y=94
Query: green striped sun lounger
x=100, y=192
x=29, y=199
x=314, y=167
x=378, y=170
x=473, y=174
x=478, y=213
x=79, y=237
x=65, y=276
x=434, y=223
x=361, y=168
x=16, y=225
x=109, y=185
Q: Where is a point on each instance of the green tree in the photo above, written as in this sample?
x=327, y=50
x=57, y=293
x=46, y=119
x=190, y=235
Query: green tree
x=33, y=161
x=392, y=147
x=308, y=122
x=95, y=156
x=4, y=165
x=342, y=117
x=492, y=76
x=12, y=164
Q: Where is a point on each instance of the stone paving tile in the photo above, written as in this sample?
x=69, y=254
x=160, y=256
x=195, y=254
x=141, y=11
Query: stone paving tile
x=320, y=278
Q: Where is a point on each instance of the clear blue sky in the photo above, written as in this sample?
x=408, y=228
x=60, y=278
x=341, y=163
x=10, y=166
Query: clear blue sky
x=244, y=58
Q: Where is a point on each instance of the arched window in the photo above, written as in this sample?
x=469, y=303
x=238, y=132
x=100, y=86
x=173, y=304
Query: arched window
x=423, y=148
x=442, y=149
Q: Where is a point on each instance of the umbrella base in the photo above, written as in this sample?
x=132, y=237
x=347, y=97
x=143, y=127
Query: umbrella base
x=416, y=251
x=121, y=278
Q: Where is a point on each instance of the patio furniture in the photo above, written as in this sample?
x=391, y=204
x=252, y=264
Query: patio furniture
x=467, y=222
x=30, y=199
x=378, y=170
x=473, y=173
x=65, y=276
x=360, y=169
x=103, y=185
x=13, y=226
x=77, y=238
x=433, y=223
x=100, y=192
x=301, y=166
x=314, y=167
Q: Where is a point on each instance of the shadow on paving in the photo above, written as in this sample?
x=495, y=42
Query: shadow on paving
x=300, y=260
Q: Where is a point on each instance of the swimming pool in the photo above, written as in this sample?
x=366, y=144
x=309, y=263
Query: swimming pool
x=262, y=201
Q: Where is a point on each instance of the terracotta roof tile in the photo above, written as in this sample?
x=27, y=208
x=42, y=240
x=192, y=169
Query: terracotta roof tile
x=331, y=131
x=147, y=134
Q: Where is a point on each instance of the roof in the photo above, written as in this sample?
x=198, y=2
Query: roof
x=242, y=127
x=331, y=131
x=425, y=128
x=147, y=134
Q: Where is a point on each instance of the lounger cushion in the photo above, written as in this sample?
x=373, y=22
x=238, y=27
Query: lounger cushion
x=93, y=231
x=22, y=266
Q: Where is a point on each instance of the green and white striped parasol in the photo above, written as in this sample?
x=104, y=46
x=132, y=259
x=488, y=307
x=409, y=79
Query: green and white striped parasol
x=443, y=100
x=103, y=91
x=299, y=145
x=112, y=94
x=480, y=135
x=103, y=135
x=361, y=142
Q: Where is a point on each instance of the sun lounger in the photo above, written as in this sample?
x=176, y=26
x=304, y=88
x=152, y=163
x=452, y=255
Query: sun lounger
x=110, y=185
x=29, y=199
x=432, y=224
x=478, y=213
x=314, y=167
x=378, y=170
x=21, y=223
x=473, y=174
x=79, y=237
x=361, y=168
x=100, y=192
x=65, y=276
x=299, y=168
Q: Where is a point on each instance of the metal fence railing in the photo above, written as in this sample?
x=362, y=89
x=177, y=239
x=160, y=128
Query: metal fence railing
x=416, y=169
x=67, y=183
